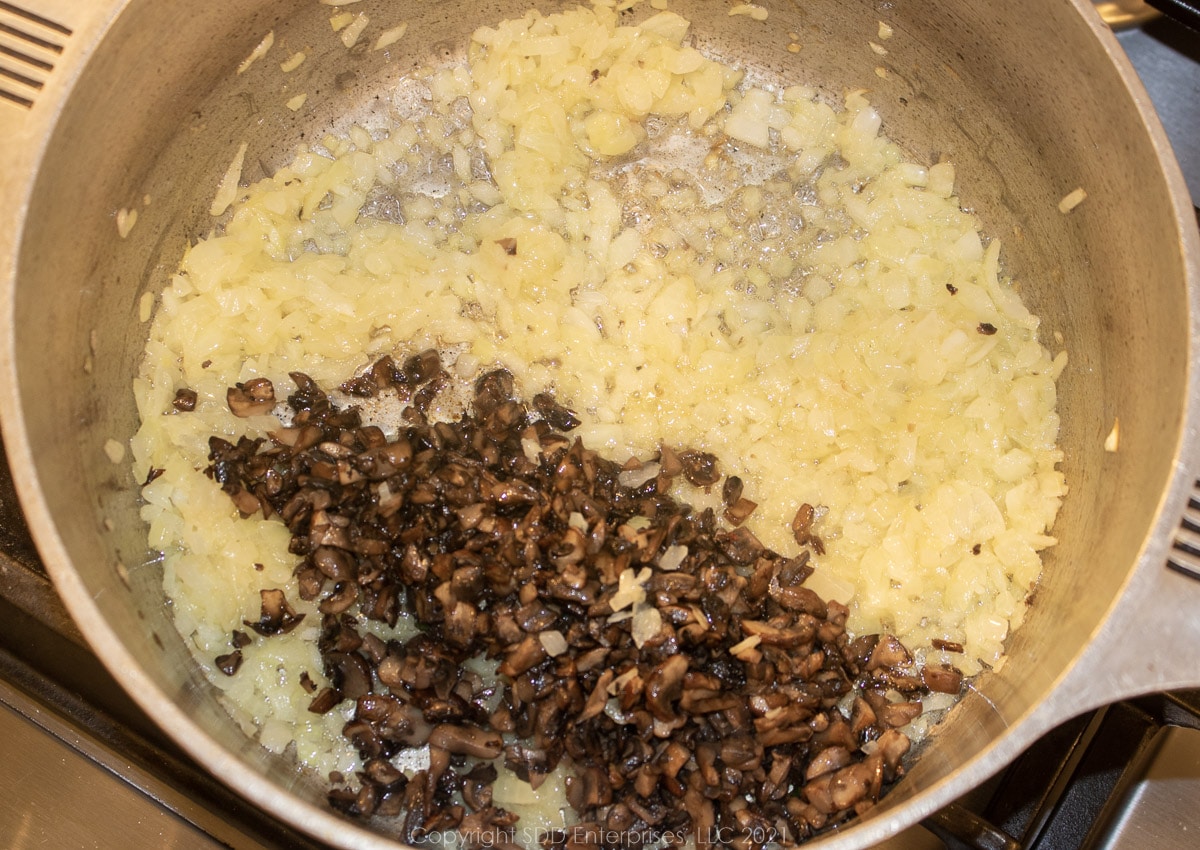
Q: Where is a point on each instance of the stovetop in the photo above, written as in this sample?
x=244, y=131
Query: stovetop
x=1166, y=56
x=84, y=767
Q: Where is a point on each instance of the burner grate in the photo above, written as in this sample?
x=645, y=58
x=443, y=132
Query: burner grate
x=30, y=44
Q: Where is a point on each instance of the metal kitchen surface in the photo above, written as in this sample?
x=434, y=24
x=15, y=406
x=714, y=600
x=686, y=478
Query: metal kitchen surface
x=84, y=767
x=47, y=775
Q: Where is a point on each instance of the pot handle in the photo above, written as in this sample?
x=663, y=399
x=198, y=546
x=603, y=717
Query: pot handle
x=1151, y=639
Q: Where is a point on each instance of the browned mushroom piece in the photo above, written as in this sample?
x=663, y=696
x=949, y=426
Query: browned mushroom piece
x=801, y=599
x=466, y=741
x=793, y=571
x=588, y=789
x=897, y=714
x=229, y=664
x=422, y=367
x=277, y=616
x=530, y=763
x=477, y=786
x=700, y=468
x=888, y=652
x=341, y=598
x=741, y=752
x=784, y=636
x=245, y=501
x=819, y=793
x=777, y=783
x=239, y=639
x=664, y=686
x=892, y=747
x=863, y=720
x=350, y=673
x=731, y=490
x=444, y=819
x=740, y=511
x=946, y=645
x=669, y=463
x=324, y=701
x=382, y=772
x=702, y=815
x=942, y=678
x=529, y=652
x=334, y=563
x=802, y=523
x=185, y=400
x=363, y=386
x=359, y=803
x=741, y=546
x=417, y=806
x=557, y=417
x=850, y=785
x=253, y=398
x=396, y=721
x=492, y=390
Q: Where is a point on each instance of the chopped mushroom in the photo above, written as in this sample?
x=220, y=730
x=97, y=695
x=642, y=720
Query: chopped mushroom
x=556, y=416
x=664, y=686
x=897, y=714
x=231, y=663
x=740, y=511
x=700, y=468
x=802, y=528
x=888, y=652
x=946, y=645
x=681, y=671
x=239, y=639
x=731, y=490
x=325, y=701
x=466, y=741
x=942, y=678
x=185, y=400
x=253, y=398
x=277, y=617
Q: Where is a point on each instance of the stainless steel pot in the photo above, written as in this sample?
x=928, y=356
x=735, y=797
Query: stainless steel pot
x=136, y=104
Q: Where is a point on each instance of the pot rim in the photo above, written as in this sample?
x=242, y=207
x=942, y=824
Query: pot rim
x=33, y=132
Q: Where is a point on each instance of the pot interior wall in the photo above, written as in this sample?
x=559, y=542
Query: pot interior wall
x=159, y=112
